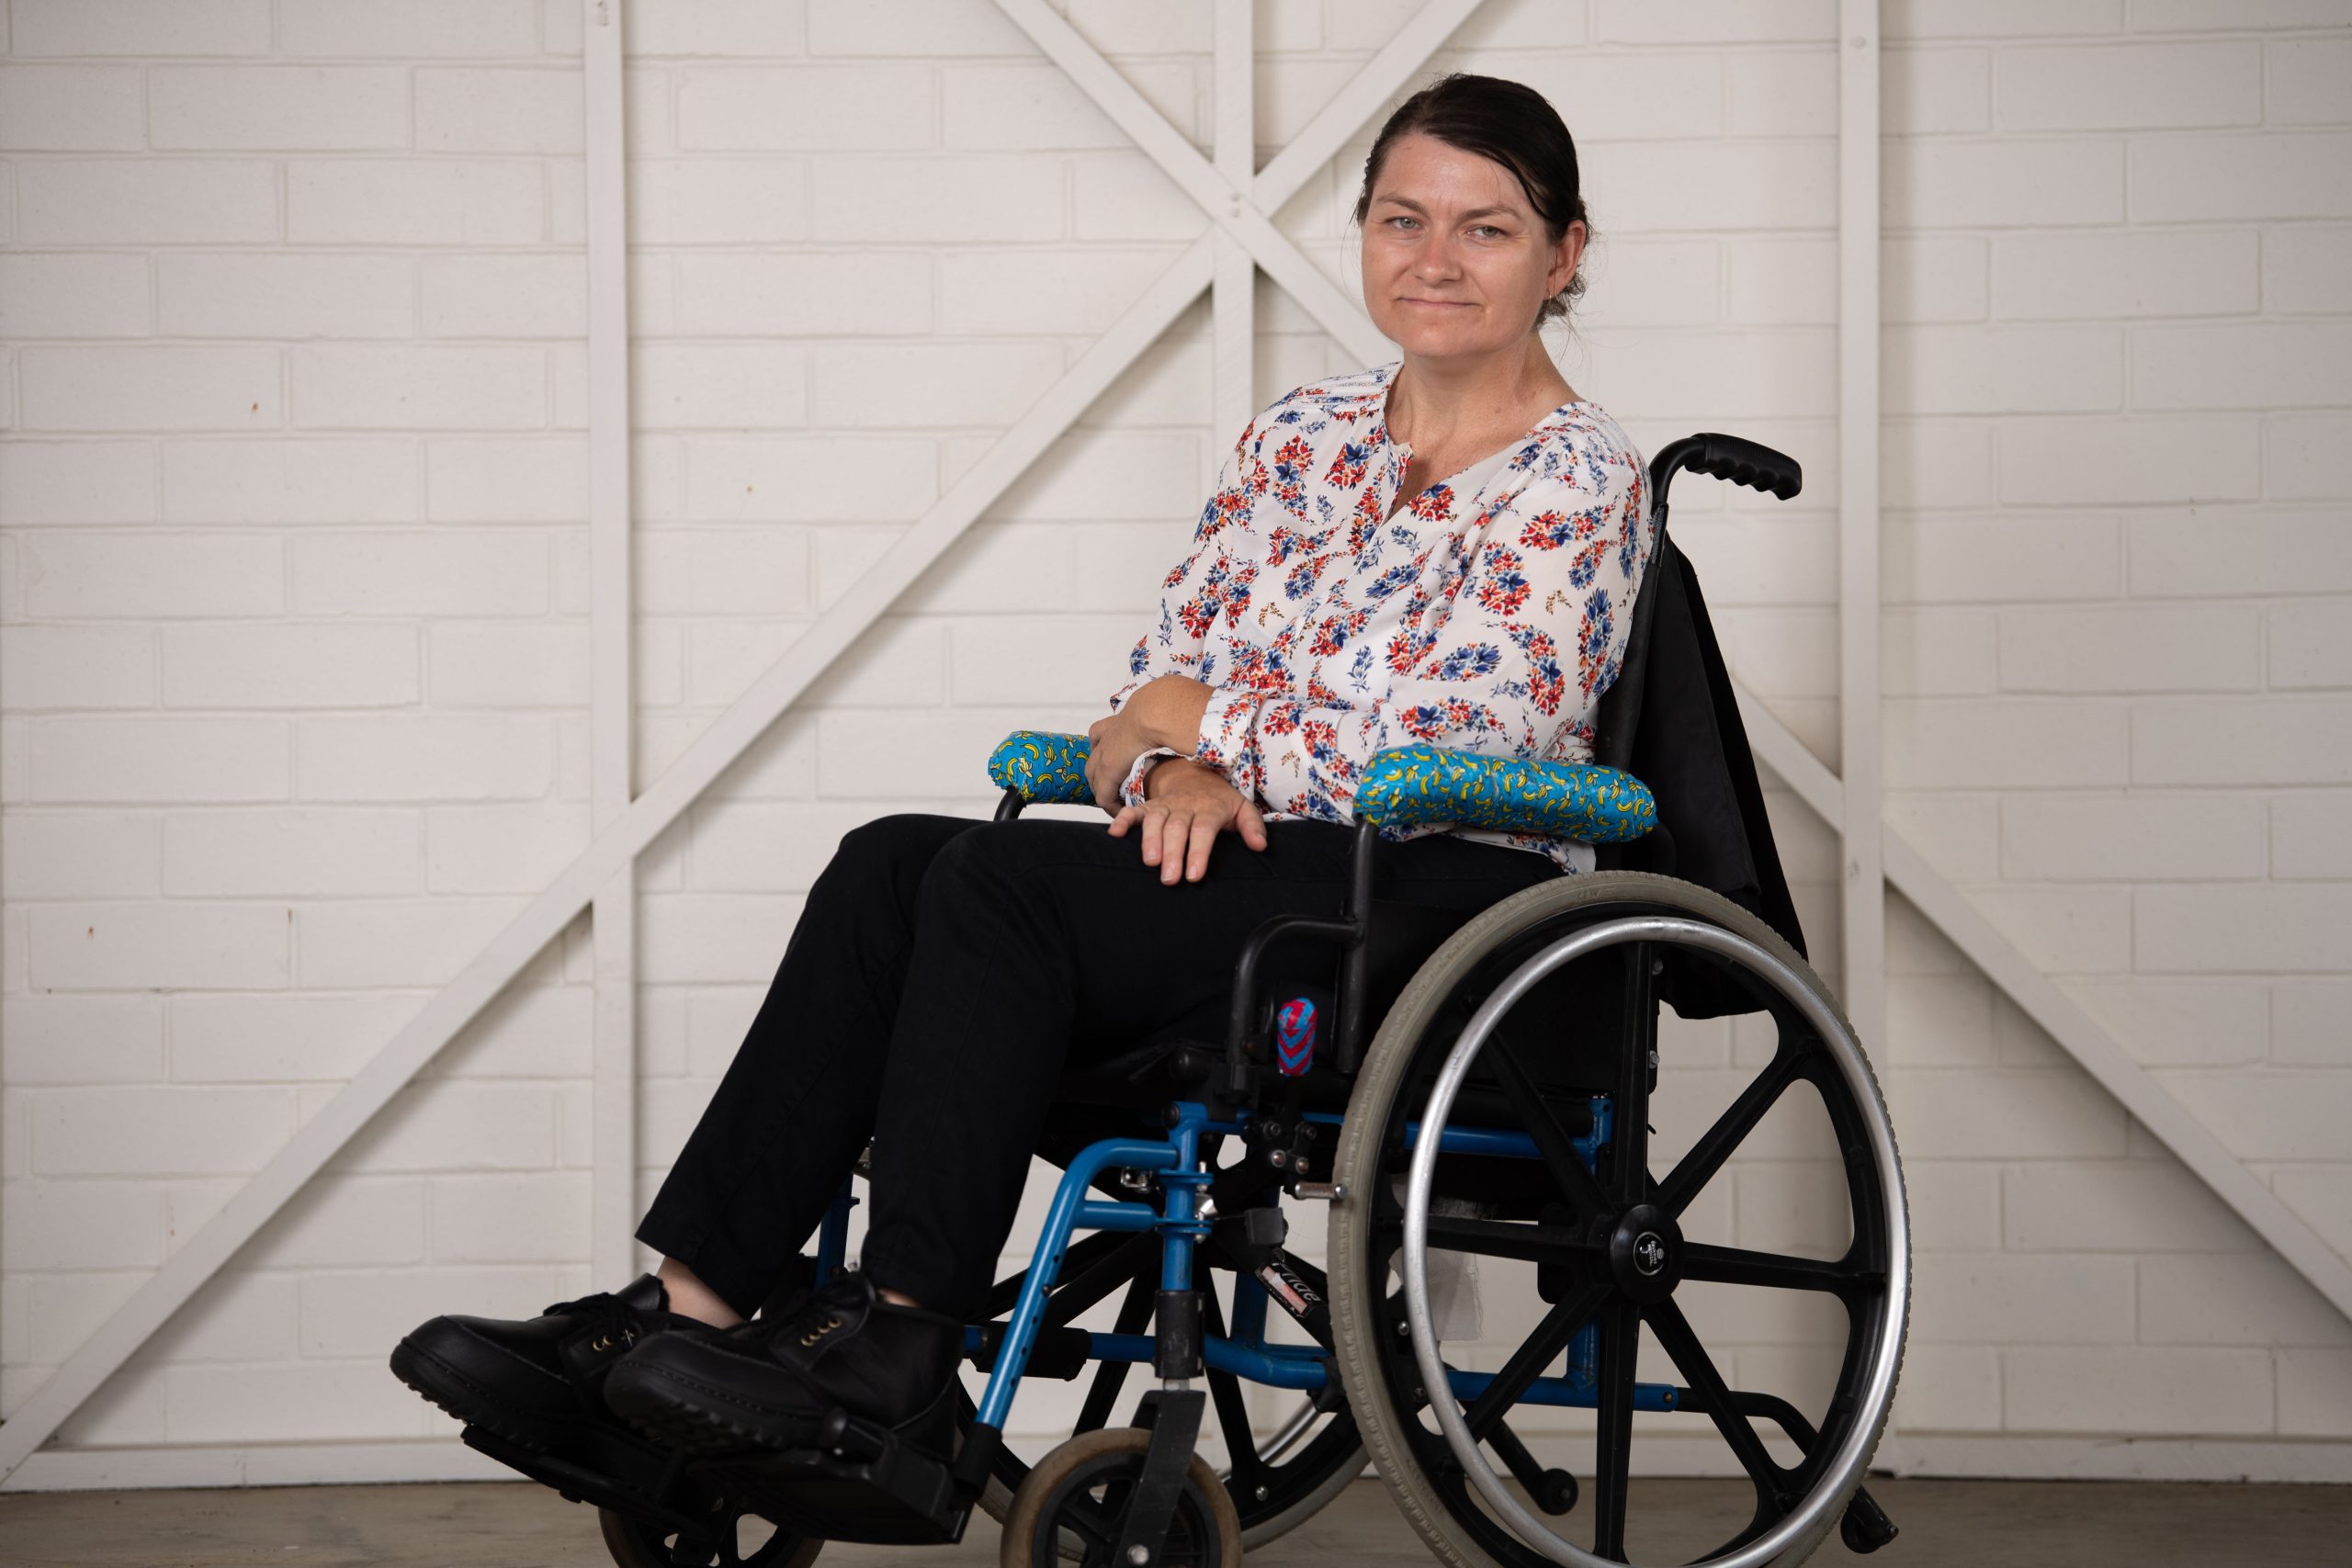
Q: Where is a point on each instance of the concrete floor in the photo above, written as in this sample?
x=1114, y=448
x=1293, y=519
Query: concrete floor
x=2013, y=1524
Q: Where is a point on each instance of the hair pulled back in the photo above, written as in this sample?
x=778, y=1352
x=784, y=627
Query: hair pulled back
x=1515, y=125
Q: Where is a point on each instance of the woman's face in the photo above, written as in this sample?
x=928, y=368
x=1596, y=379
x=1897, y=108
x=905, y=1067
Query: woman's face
x=1455, y=261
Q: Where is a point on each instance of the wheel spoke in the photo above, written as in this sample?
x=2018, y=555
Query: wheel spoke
x=1110, y=1376
x=1552, y=1139
x=1629, y=1133
x=1675, y=1336
x=1232, y=1413
x=1613, y=1442
x=1097, y=1277
x=1707, y=1155
x=1507, y=1238
x=1551, y=1338
x=1772, y=1270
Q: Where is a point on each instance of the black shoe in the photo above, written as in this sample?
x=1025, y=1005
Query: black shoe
x=845, y=1353
x=537, y=1382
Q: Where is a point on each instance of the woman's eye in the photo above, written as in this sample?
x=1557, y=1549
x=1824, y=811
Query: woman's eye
x=1487, y=229
x=1401, y=217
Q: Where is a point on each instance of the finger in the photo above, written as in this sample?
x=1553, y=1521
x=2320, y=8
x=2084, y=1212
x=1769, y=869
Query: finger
x=1205, y=831
x=1171, y=857
x=1155, y=830
x=1253, y=825
x=1124, y=819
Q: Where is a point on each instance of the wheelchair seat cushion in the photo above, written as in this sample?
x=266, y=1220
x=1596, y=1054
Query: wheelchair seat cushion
x=1408, y=786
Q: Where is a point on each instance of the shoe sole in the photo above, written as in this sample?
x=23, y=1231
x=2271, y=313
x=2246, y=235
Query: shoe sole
x=684, y=1412
x=456, y=1394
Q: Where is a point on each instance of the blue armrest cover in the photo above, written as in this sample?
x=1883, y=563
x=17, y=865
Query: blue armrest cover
x=1048, y=769
x=1412, y=785
x=1403, y=787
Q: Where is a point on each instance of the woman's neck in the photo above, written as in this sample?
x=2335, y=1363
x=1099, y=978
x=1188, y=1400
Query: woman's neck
x=1439, y=406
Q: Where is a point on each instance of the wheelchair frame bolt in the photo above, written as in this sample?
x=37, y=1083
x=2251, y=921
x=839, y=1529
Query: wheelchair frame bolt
x=1138, y=1554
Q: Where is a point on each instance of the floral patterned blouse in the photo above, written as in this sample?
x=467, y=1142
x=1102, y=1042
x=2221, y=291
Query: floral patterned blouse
x=1488, y=614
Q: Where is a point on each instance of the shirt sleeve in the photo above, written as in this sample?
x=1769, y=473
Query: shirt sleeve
x=1506, y=651
x=1207, y=585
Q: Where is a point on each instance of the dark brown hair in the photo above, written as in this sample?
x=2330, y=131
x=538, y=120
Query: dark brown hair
x=1512, y=124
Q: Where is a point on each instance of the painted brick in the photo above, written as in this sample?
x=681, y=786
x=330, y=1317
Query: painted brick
x=746, y=848
x=2307, y=271
x=79, y=854
x=414, y=202
x=356, y=1313
x=2310, y=837
x=508, y=664
x=2241, y=365
x=912, y=27
x=1779, y=184
x=76, y=667
x=1997, y=559
x=1939, y=1020
x=502, y=850
x=289, y=482
x=1123, y=196
x=1000, y=567
x=77, y=482
x=2178, y=1021
x=2234, y=1300
x=527, y=479
x=419, y=389
x=1783, y=93
x=1715, y=21
x=1960, y=834
x=77, y=295
x=1961, y=743
x=285, y=1037
x=2225, y=928
x=235, y=1316
x=2008, y=1114
x=2120, y=273
x=2000, y=18
x=848, y=294
x=463, y=109
x=2119, y=1206
x=1633, y=282
x=529, y=1032
x=698, y=937
x=1949, y=1388
x=2135, y=1388
x=2105, y=461
x=471, y=574
x=717, y=201
x=2003, y=369
x=90, y=200
x=289, y=666
x=159, y=1131
x=297, y=108
x=1936, y=463
x=463, y=29
x=1097, y=476
x=149, y=387
x=959, y=200
x=726, y=28
x=2131, y=648
x=2232, y=15
x=2309, y=457
x=2309, y=81
x=929, y=385
x=1698, y=375
x=309, y=1401
x=2035, y=1298
x=1925, y=92
x=63, y=1039
x=2321, y=1195
x=2016, y=182
x=1784, y=282
x=2314, y=1394
x=722, y=571
x=1071, y=659
x=2121, y=837
x=505, y=296
x=2064, y=930
x=265, y=296
x=1039, y=108
x=511, y=1219
x=683, y=385
x=2226, y=740
x=89, y=761
x=2272, y=552
x=2275, y=175
x=81, y=1224
x=139, y=27
x=439, y=1124
x=1934, y=278
x=804, y=108
x=2114, y=86
x=287, y=853
x=2311, y=645
x=457, y=758
x=70, y=108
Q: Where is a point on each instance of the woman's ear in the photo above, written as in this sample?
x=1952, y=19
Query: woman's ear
x=1567, y=257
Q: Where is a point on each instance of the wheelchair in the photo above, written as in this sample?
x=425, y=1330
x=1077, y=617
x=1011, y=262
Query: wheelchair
x=1470, y=1100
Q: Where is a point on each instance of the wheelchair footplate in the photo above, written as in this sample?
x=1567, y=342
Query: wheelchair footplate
x=857, y=1482
x=640, y=1479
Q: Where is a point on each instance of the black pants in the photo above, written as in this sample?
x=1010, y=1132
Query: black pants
x=943, y=973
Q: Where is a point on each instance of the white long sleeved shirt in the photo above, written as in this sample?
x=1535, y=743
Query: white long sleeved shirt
x=1487, y=614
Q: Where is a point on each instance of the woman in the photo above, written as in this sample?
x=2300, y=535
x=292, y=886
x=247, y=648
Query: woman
x=1440, y=549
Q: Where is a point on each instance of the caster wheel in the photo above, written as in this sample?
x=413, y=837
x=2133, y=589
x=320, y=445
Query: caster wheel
x=1081, y=1492
x=745, y=1540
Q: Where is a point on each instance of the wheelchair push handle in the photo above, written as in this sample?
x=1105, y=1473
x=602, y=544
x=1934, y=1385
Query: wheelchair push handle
x=1743, y=462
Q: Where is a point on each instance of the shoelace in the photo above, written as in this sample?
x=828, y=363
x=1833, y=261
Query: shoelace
x=621, y=1321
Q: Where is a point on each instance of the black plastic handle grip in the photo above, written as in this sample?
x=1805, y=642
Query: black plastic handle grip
x=1729, y=457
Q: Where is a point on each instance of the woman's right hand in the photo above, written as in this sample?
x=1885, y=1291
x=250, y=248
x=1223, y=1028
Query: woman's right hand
x=1186, y=806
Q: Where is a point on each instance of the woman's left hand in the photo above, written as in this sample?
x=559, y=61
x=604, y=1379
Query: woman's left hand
x=1162, y=711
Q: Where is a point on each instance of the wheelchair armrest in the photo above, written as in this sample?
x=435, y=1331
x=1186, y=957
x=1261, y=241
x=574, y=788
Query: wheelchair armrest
x=1411, y=784
x=1045, y=768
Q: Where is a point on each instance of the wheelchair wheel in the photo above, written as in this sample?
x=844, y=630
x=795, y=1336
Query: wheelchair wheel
x=1081, y=1491
x=1477, y=1027
x=744, y=1541
x=1287, y=1477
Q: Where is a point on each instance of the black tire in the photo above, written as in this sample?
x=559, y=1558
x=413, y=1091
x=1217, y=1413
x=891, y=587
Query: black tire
x=1060, y=1500
x=1377, y=1363
x=636, y=1543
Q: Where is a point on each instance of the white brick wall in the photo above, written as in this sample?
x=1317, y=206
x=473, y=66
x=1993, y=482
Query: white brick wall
x=294, y=589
